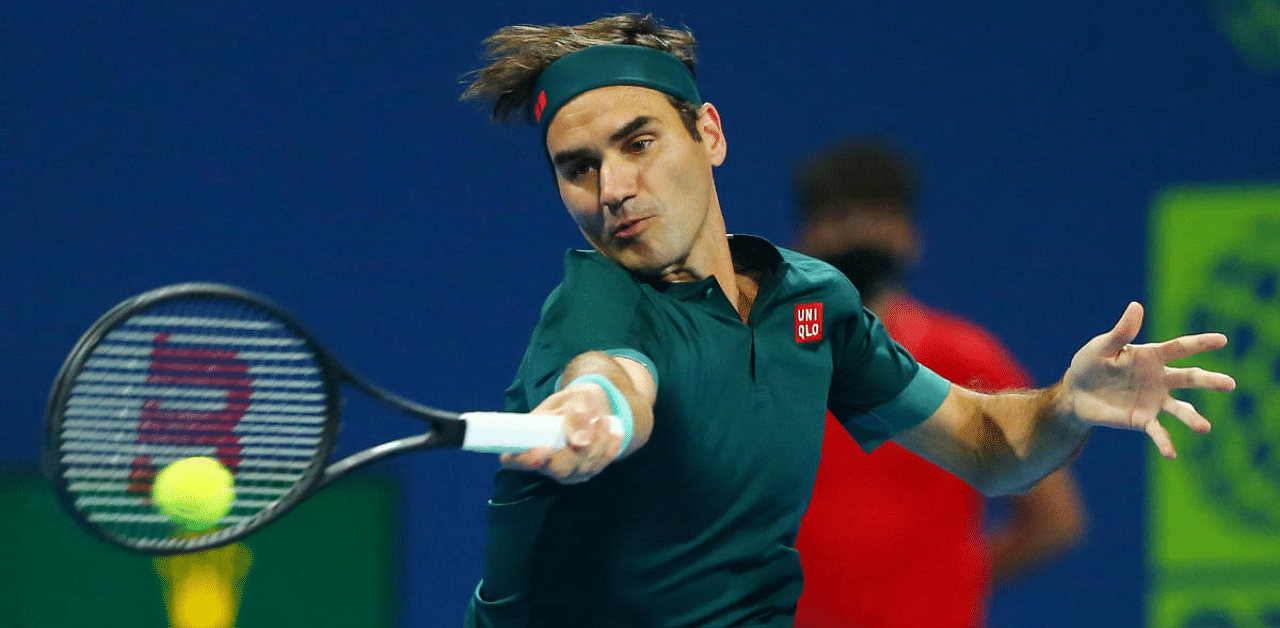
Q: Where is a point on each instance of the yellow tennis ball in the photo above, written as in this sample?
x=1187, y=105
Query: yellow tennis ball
x=194, y=492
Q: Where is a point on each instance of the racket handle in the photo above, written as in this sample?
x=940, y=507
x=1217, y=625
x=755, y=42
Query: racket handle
x=511, y=432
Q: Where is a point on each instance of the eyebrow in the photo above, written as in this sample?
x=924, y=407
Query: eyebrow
x=631, y=127
x=569, y=157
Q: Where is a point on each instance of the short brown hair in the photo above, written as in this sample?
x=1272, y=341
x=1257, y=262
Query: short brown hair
x=856, y=171
x=519, y=54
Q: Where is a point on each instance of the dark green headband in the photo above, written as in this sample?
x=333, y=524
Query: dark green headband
x=605, y=65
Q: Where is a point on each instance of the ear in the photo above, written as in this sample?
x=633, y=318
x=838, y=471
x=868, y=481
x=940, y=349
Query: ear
x=712, y=133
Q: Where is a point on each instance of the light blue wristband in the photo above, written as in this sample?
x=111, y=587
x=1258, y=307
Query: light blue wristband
x=617, y=405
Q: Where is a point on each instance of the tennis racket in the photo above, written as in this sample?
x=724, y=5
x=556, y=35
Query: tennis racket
x=202, y=369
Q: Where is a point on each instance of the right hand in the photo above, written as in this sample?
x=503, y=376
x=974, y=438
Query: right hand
x=593, y=438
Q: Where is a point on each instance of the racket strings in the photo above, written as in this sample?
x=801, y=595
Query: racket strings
x=192, y=377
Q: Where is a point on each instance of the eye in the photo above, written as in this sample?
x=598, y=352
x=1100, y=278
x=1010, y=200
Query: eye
x=579, y=169
x=638, y=145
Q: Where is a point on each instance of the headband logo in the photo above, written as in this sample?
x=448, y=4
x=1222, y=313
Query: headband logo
x=540, y=105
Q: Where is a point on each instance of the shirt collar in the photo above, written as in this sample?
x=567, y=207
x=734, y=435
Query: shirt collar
x=750, y=253
x=753, y=253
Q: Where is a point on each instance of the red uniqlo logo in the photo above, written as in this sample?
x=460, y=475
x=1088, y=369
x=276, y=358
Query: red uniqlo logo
x=808, y=322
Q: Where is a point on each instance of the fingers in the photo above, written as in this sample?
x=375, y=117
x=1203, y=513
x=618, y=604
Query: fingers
x=592, y=445
x=583, y=433
x=1181, y=410
x=532, y=460
x=1160, y=437
x=592, y=442
x=1125, y=331
x=1196, y=377
x=1187, y=413
x=591, y=448
x=1186, y=346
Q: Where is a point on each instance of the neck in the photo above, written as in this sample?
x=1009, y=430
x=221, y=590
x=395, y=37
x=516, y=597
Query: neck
x=747, y=286
x=711, y=257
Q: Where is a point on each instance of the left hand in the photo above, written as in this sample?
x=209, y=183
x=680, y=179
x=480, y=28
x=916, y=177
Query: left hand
x=1117, y=384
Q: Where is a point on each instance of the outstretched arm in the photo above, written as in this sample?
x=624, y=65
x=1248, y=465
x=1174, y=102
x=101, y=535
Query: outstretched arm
x=592, y=444
x=1004, y=443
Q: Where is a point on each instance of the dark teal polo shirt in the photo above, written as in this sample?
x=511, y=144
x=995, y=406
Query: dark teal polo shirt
x=697, y=528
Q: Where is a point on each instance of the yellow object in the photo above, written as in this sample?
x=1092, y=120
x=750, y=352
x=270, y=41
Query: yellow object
x=1212, y=521
x=203, y=590
x=194, y=492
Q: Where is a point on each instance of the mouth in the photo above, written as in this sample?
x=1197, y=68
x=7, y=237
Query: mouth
x=631, y=228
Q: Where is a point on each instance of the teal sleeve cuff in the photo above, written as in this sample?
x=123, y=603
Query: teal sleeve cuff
x=630, y=354
x=917, y=402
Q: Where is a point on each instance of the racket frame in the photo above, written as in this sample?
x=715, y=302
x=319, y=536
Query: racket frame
x=331, y=376
x=448, y=428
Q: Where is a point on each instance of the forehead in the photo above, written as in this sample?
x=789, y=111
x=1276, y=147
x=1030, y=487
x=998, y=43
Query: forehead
x=605, y=109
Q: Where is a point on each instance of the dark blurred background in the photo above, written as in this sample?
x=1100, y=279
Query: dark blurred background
x=317, y=153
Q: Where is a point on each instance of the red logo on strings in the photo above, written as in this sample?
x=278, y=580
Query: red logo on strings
x=539, y=105
x=808, y=322
x=208, y=369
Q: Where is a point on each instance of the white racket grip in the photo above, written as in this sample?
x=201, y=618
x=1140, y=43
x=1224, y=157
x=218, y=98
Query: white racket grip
x=511, y=432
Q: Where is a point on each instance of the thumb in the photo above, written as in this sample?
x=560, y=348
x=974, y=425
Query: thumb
x=579, y=430
x=1125, y=331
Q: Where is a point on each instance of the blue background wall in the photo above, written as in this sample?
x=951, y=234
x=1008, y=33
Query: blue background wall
x=317, y=153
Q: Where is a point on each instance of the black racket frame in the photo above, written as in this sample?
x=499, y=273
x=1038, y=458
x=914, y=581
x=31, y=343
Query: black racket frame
x=448, y=428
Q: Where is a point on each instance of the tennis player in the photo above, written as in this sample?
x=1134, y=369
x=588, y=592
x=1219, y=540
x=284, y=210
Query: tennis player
x=724, y=351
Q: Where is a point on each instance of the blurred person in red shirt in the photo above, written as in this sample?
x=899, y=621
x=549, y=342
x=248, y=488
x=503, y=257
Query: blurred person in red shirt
x=889, y=539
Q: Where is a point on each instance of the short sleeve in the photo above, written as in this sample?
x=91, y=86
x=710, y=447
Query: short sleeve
x=878, y=389
x=922, y=396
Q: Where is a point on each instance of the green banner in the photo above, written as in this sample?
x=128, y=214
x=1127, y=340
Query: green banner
x=1214, y=514
x=332, y=561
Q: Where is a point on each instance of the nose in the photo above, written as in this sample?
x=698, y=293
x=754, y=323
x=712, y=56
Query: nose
x=619, y=181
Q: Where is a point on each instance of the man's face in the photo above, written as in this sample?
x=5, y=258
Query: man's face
x=633, y=179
